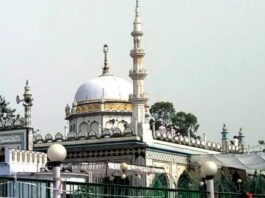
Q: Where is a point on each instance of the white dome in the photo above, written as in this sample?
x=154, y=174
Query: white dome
x=106, y=86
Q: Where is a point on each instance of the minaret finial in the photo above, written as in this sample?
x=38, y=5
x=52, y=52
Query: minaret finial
x=224, y=128
x=137, y=25
x=106, y=66
x=137, y=8
x=240, y=131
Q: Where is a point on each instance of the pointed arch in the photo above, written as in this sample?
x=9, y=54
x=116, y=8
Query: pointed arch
x=94, y=126
x=122, y=125
x=84, y=127
x=109, y=124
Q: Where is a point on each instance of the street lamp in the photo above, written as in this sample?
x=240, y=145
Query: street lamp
x=56, y=154
x=209, y=170
x=239, y=182
x=124, y=168
x=125, y=172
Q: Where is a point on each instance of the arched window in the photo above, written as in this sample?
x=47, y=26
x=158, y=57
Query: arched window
x=159, y=181
x=122, y=125
x=109, y=124
x=94, y=126
x=83, y=127
x=184, y=180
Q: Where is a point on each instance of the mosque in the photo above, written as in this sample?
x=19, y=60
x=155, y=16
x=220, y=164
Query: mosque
x=109, y=125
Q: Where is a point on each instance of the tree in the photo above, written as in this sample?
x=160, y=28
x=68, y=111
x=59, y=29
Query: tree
x=185, y=123
x=164, y=114
x=5, y=111
x=163, y=111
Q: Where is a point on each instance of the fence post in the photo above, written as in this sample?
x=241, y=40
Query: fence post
x=15, y=191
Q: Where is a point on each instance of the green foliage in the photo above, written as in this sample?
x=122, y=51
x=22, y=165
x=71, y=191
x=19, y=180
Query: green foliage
x=164, y=111
x=5, y=111
x=185, y=122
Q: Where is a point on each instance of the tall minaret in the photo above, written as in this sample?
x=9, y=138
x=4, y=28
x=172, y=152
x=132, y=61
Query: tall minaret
x=241, y=138
x=225, y=141
x=138, y=73
x=27, y=103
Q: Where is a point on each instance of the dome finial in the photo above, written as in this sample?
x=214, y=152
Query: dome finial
x=106, y=67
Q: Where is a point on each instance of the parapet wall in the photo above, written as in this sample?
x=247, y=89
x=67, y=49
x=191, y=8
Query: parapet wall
x=23, y=161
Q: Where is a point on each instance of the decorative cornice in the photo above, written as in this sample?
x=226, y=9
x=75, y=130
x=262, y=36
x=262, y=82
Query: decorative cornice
x=99, y=106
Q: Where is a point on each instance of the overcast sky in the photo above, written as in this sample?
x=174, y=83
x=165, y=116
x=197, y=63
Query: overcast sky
x=207, y=56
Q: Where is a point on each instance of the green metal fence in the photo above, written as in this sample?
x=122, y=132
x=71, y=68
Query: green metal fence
x=77, y=190
x=24, y=188
x=29, y=188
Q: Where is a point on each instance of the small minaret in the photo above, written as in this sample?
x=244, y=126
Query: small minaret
x=241, y=140
x=138, y=73
x=27, y=103
x=105, y=69
x=225, y=141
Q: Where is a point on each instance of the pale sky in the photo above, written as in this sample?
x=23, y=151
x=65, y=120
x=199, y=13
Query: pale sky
x=207, y=57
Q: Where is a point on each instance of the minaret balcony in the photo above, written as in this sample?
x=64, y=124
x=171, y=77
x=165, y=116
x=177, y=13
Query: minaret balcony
x=137, y=52
x=139, y=98
x=137, y=33
x=139, y=74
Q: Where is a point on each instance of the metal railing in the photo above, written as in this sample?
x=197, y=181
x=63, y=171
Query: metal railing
x=33, y=188
x=24, y=188
x=77, y=190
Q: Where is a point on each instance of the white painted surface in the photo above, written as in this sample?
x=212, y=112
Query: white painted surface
x=106, y=87
x=22, y=161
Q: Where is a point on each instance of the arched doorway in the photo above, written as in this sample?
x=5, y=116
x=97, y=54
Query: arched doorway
x=160, y=181
x=184, y=181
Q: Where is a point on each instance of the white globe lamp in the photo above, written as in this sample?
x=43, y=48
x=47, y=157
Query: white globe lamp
x=123, y=176
x=209, y=169
x=124, y=166
x=56, y=153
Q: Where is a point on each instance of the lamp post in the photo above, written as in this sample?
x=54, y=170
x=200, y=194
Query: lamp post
x=209, y=170
x=239, y=182
x=124, y=168
x=56, y=154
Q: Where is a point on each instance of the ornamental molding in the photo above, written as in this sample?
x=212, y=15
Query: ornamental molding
x=166, y=157
x=12, y=123
x=87, y=108
x=99, y=106
x=121, y=158
x=117, y=107
x=74, y=140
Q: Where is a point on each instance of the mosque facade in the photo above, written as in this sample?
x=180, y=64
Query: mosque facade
x=109, y=123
